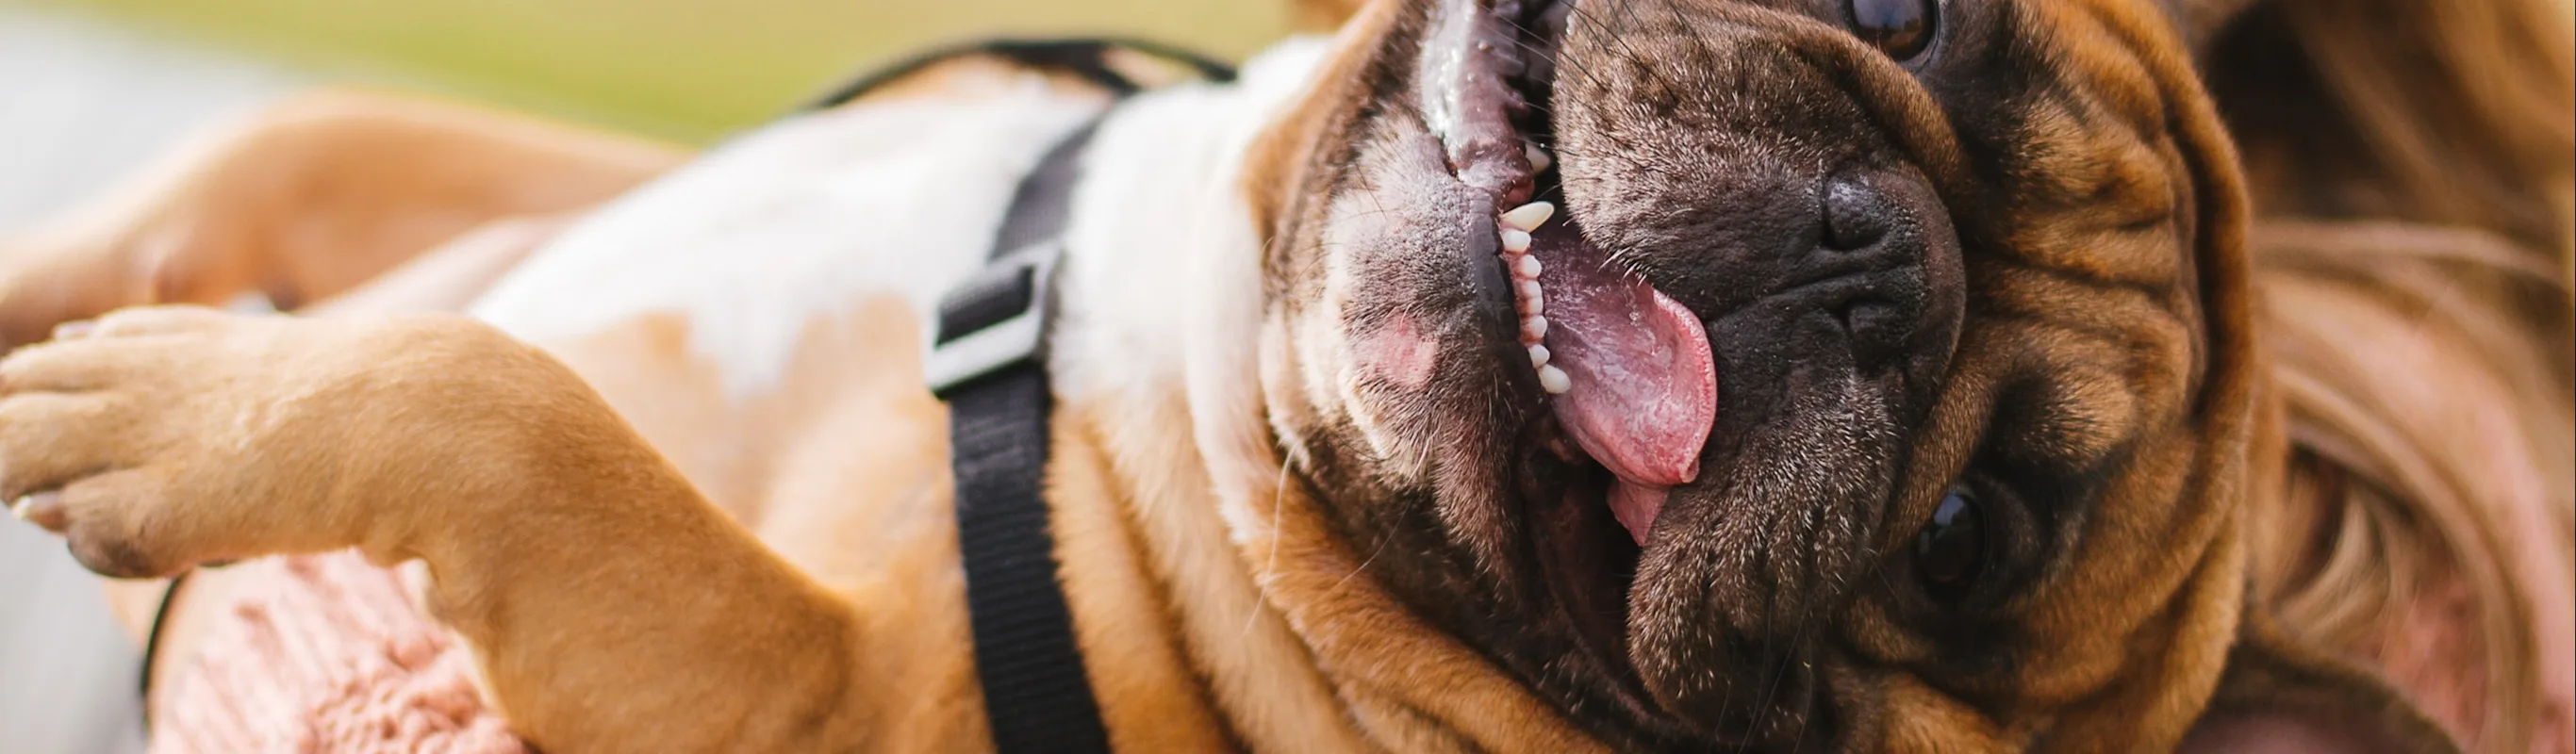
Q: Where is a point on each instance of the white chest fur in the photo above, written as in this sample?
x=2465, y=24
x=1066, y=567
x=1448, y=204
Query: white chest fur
x=793, y=221
x=811, y=215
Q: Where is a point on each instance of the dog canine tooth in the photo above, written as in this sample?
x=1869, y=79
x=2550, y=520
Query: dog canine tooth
x=1538, y=355
x=1538, y=158
x=1527, y=217
x=1527, y=266
x=1553, y=380
x=1515, y=240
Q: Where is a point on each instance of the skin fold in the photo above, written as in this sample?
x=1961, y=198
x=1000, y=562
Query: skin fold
x=1269, y=537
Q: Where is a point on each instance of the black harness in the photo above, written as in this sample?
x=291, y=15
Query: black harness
x=1087, y=57
x=988, y=362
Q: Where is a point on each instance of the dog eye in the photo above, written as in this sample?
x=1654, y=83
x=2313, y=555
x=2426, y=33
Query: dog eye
x=1952, y=548
x=1900, y=28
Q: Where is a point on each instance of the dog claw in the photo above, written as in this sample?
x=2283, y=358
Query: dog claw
x=44, y=509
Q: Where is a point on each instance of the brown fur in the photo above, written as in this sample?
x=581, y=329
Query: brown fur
x=310, y=197
x=1189, y=656
x=2122, y=77
x=2140, y=623
x=600, y=517
x=1326, y=15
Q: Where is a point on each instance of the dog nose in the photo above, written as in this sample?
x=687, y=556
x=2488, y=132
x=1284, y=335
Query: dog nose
x=1855, y=215
x=1866, y=261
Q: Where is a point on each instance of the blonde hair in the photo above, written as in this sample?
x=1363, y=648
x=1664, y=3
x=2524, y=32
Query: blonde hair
x=2413, y=165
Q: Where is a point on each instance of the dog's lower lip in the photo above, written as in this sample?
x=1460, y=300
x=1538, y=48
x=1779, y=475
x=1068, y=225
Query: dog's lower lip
x=1589, y=565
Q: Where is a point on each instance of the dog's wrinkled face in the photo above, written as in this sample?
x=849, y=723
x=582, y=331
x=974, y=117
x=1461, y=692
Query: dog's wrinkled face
x=1863, y=380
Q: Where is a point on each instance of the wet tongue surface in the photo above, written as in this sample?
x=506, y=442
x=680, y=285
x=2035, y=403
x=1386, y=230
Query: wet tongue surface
x=1644, y=387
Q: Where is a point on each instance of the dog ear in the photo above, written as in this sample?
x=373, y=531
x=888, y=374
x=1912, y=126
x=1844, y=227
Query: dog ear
x=1325, y=15
x=2278, y=697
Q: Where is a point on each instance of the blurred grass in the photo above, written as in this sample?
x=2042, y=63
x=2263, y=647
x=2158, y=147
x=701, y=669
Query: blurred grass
x=688, y=70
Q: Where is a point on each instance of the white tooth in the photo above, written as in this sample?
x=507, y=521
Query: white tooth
x=1538, y=158
x=1553, y=380
x=1527, y=266
x=1528, y=217
x=1515, y=240
x=1538, y=356
x=1530, y=293
x=1533, y=328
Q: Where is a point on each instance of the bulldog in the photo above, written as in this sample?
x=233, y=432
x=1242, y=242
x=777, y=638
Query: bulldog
x=1495, y=375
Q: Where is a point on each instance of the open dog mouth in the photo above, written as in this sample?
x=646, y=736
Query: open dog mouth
x=1626, y=370
x=1739, y=195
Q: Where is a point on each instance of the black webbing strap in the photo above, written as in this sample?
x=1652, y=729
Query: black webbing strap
x=992, y=337
x=988, y=361
x=1086, y=57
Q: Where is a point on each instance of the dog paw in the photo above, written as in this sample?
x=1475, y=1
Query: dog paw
x=161, y=438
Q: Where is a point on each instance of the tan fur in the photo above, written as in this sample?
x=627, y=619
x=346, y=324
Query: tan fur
x=219, y=217
x=618, y=520
x=305, y=199
x=841, y=470
x=1326, y=14
x=1412, y=687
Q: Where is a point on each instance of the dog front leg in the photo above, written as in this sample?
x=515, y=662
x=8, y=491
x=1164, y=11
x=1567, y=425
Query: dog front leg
x=611, y=607
x=304, y=199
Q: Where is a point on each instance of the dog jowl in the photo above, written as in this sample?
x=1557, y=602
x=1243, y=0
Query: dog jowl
x=1803, y=374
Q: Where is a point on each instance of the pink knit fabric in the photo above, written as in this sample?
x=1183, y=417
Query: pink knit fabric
x=327, y=654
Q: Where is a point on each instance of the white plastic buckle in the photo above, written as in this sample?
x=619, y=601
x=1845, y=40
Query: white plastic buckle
x=1003, y=344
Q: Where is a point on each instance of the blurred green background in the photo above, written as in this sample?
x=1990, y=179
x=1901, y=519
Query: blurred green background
x=688, y=70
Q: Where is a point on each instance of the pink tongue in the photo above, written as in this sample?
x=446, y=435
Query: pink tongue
x=1644, y=388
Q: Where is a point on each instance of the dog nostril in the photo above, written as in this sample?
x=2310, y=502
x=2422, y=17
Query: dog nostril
x=1855, y=215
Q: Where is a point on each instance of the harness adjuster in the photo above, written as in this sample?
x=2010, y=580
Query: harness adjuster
x=995, y=320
